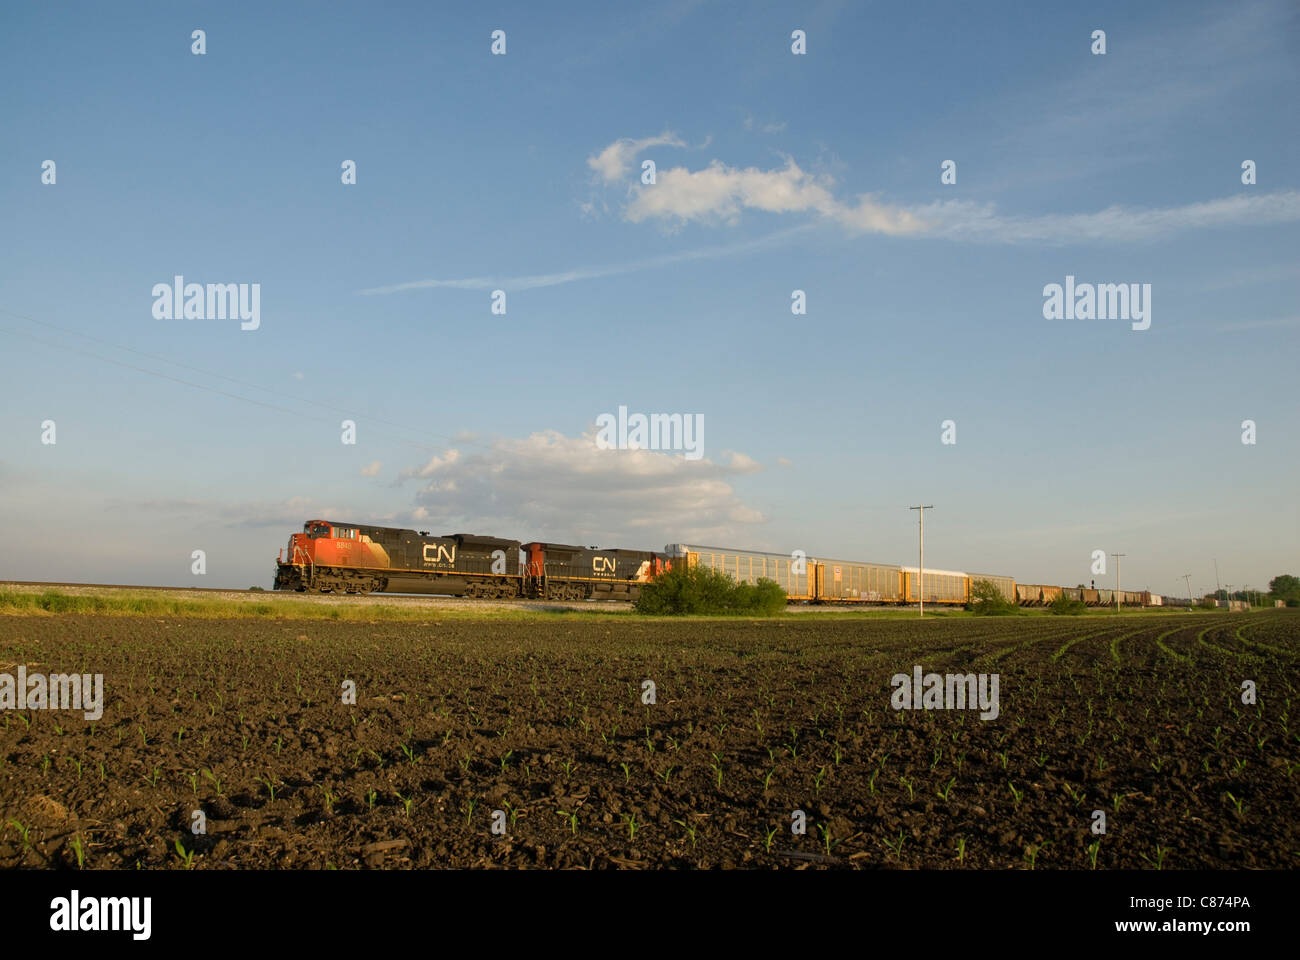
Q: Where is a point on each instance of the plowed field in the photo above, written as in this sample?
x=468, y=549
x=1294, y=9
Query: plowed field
x=540, y=729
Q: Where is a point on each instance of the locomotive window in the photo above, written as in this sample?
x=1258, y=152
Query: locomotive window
x=320, y=530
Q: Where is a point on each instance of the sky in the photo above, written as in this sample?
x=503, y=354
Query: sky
x=774, y=172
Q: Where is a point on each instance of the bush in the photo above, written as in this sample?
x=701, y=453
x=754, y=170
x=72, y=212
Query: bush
x=987, y=600
x=699, y=590
x=1066, y=607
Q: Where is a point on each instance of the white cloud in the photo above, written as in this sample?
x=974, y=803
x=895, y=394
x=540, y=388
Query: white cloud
x=435, y=464
x=372, y=470
x=741, y=463
x=720, y=192
x=549, y=485
x=614, y=162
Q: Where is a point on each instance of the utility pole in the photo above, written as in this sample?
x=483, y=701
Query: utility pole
x=1188, y=578
x=1217, y=586
x=1119, y=596
x=1229, y=597
x=920, y=570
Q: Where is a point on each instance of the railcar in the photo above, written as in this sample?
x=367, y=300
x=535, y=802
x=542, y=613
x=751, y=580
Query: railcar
x=1006, y=585
x=852, y=581
x=797, y=576
x=1029, y=594
x=941, y=586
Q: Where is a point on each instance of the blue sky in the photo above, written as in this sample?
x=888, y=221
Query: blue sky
x=775, y=172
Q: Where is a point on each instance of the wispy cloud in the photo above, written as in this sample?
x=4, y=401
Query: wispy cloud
x=770, y=127
x=955, y=220
x=533, y=281
x=962, y=220
x=613, y=163
x=1291, y=321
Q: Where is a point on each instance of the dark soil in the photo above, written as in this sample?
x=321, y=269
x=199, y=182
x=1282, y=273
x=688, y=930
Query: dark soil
x=1141, y=717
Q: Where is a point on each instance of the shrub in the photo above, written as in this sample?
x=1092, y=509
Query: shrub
x=987, y=600
x=1067, y=607
x=699, y=590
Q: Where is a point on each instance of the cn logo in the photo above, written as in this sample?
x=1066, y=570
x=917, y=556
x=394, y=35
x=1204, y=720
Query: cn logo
x=441, y=554
x=603, y=564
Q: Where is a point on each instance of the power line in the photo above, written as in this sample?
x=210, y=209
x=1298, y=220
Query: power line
x=207, y=373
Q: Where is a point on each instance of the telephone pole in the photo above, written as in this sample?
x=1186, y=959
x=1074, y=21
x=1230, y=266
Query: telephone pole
x=1188, y=578
x=1119, y=596
x=1217, y=585
x=920, y=569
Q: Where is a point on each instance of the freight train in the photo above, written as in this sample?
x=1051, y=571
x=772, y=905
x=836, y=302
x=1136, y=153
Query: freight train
x=334, y=557
x=329, y=557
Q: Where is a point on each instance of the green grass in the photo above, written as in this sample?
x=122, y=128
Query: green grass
x=105, y=601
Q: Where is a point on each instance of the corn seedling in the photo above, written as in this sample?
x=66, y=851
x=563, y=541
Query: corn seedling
x=768, y=837
x=270, y=784
x=1032, y=851
x=216, y=781
x=1159, y=861
x=187, y=856
x=895, y=846
x=825, y=830
x=907, y=783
